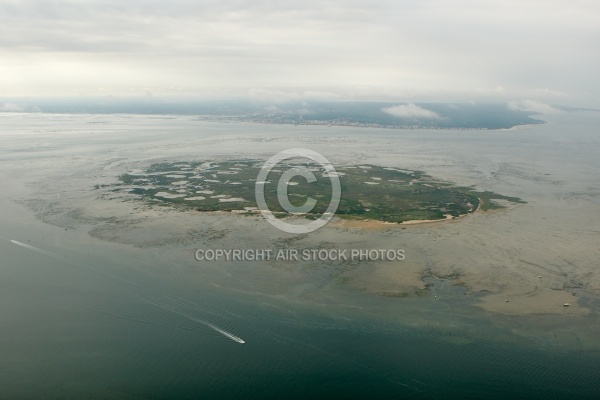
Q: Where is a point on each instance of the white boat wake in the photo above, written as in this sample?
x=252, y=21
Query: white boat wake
x=120, y=281
x=37, y=249
x=226, y=334
x=223, y=332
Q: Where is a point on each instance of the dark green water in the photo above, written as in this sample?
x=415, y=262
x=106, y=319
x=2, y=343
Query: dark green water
x=80, y=333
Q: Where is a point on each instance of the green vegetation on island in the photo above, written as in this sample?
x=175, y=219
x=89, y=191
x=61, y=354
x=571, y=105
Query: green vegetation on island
x=368, y=191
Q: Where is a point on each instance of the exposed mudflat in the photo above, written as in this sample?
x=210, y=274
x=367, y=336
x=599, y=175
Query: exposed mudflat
x=524, y=260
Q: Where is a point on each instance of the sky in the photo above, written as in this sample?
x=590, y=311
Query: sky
x=546, y=51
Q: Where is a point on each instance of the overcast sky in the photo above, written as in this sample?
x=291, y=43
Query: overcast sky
x=543, y=50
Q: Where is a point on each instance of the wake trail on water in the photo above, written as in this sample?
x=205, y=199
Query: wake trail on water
x=37, y=250
x=173, y=307
x=170, y=304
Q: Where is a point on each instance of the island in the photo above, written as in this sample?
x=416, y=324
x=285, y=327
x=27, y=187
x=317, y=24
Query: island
x=369, y=192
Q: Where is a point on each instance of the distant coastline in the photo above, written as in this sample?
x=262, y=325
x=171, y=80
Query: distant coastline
x=362, y=114
x=358, y=124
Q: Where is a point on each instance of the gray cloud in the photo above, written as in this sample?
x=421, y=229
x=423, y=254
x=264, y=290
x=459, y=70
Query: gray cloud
x=409, y=50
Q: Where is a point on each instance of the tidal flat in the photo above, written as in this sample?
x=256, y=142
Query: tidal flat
x=488, y=288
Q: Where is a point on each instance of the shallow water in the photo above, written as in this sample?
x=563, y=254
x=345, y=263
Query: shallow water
x=116, y=317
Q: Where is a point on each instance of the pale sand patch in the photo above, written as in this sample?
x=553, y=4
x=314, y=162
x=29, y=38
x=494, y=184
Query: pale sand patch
x=333, y=174
x=232, y=200
x=388, y=278
x=405, y=171
x=166, y=195
x=371, y=224
x=246, y=210
x=542, y=301
x=367, y=224
x=501, y=253
x=422, y=221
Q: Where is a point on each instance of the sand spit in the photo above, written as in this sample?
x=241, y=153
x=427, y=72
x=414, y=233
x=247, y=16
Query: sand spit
x=370, y=224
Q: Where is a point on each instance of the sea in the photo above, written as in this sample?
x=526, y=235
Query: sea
x=101, y=296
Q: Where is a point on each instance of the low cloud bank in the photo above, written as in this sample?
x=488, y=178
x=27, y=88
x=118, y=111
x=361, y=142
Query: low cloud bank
x=410, y=111
x=532, y=105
